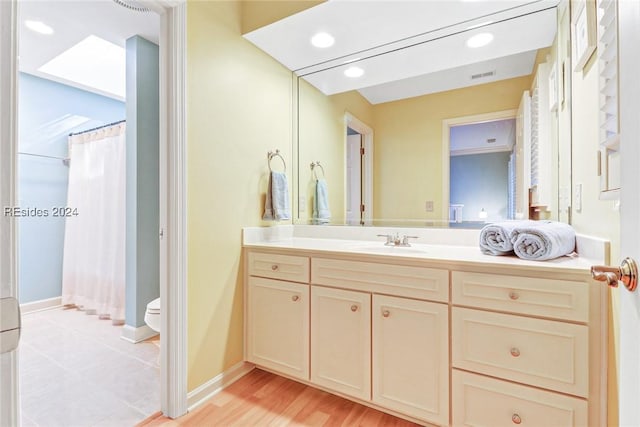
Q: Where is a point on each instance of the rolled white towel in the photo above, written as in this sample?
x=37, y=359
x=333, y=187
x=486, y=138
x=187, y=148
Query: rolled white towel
x=543, y=240
x=495, y=238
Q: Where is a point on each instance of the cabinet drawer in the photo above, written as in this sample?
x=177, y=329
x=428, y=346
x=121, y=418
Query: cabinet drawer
x=543, y=353
x=560, y=299
x=400, y=280
x=283, y=267
x=482, y=401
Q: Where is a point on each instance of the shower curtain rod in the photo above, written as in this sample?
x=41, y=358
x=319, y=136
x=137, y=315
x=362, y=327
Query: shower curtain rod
x=99, y=127
x=65, y=160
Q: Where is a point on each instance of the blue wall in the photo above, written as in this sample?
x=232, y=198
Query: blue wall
x=143, y=204
x=48, y=112
x=480, y=181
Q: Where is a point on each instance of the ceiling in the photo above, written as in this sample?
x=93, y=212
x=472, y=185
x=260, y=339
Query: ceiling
x=73, y=22
x=484, y=137
x=410, y=48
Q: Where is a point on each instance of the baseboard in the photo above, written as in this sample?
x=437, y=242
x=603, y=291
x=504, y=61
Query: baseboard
x=198, y=396
x=43, y=304
x=136, y=335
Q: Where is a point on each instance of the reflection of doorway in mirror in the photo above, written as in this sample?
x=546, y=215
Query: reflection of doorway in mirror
x=482, y=168
x=359, y=172
x=355, y=151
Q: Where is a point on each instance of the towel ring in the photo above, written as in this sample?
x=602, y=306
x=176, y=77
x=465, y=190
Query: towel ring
x=315, y=172
x=271, y=155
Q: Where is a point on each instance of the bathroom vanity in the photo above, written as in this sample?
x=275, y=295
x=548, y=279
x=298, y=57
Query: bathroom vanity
x=437, y=334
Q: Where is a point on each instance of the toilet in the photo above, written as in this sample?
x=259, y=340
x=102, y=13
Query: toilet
x=152, y=315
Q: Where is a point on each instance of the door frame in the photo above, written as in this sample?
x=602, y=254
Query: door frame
x=447, y=124
x=351, y=121
x=172, y=209
x=8, y=225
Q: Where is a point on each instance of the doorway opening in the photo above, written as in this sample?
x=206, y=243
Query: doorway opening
x=83, y=313
x=480, y=168
x=359, y=172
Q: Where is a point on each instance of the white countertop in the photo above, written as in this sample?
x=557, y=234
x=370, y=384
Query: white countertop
x=434, y=253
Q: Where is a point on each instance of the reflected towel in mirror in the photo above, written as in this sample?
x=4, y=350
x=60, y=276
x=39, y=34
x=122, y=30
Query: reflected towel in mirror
x=276, y=205
x=321, y=212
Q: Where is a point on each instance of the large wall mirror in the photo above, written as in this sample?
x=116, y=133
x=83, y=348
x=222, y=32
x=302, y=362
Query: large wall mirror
x=456, y=117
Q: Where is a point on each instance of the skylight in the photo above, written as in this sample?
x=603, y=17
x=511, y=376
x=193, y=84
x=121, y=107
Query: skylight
x=95, y=63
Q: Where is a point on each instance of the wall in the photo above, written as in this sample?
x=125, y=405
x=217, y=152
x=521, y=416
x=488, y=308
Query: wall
x=480, y=181
x=322, y=137
x=142, y=198
x=597, y=217
x=48, y=112
x=408, y=138
x=258, y=13
x=239, y=103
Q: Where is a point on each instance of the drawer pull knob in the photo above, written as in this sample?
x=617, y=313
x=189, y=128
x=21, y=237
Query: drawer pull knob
x=354, y=307
x=274, y=267
x=386, y=313
x=295, y=298
x=515, y=352
x=516, y=419
x=513, y=295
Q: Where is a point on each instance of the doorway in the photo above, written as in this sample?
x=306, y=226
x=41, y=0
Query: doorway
x=358, y=172
x=64, y=350
x=482, y=183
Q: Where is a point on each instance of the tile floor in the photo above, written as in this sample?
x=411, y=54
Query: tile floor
x=75, y=370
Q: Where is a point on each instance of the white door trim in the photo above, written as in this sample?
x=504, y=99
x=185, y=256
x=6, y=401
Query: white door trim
x=9, y=411
x=173, y=281
x=367, y=164
x=446, y=146
x=173, y=206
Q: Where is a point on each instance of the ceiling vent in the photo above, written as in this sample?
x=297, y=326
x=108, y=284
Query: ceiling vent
x=483, y=75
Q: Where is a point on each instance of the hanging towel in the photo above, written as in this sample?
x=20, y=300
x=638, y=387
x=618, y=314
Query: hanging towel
x=495, y=239
x=544, y=240
x=321, y=212
x=276, y=205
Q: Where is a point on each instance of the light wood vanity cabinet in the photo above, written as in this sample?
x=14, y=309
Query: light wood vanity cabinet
x=341, y=341
x=438, y=346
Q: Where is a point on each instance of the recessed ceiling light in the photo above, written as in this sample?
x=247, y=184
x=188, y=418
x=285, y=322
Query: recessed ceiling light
x=480, y=40
x=38, y=27
x=322, y=40
x=354, y=72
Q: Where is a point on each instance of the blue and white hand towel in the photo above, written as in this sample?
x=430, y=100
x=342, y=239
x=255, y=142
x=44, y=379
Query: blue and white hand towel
x=276, y=205
x=321, y=212
x=495, y=239
x=543, y=240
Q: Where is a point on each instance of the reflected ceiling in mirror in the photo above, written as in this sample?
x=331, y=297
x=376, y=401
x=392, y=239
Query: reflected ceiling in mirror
x=374, y=65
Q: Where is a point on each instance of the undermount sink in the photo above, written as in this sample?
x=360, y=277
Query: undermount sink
x=382, y=249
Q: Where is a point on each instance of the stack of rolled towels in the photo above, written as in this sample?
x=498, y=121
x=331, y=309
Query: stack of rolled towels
x=531, y=240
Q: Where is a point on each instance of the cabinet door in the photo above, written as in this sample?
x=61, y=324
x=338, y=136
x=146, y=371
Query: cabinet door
x=278, y=326
x=411, y=357
x=341, y=341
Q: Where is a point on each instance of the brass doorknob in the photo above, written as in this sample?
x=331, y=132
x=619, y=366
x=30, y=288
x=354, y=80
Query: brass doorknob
x=627, y=273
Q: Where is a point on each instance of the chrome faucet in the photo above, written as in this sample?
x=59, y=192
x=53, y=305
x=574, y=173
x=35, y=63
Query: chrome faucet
x=396, y=240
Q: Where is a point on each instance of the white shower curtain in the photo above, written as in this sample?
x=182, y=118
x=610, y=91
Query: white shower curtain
x=93, y=273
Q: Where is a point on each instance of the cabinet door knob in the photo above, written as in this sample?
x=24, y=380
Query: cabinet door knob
x=515, y=352
x=354, y=307
x=274, y=267
x=386, y=313
x=513, y=295
x=515, y=418
x=295, y=298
